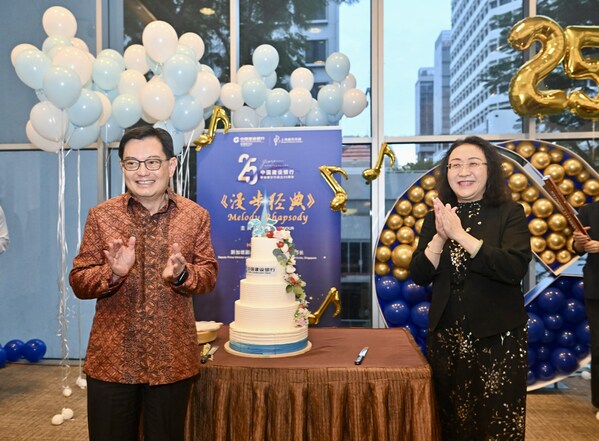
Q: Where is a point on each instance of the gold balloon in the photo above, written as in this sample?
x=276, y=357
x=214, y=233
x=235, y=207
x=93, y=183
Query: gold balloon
x=570, y=245
x=563, y=256
x=400, y=274
x=525, y=98
x=557, y=222
x=418, y=225
x=542, y=208
x=580, y=67
x=388, y=237
x=416, y=241
x=526, y=149
x=577, y=199
x=428, y=182
x=556, y=171
x=538, y=244
x=507, y=168
x=516, y=196
x=572, y=166
x=567, y=231
x=556, y=155
x=383, y=253
x=394, y=221
x=556, y=241
x=409, y=221
x=430, y=196
x=510, y=146
x=537, y=227
x=591, y=187
x=419, y=210
x=381, y=269
x=405, y=235
x=218, y=114
x=402, y=256
x=566, y=187
x=403, y=207
x=517, y=182
x=526, y=206
x=415, y=194
x=548, y=257
x=530, y=195
x=542, y=148
x=583, y=176
x=540, y=160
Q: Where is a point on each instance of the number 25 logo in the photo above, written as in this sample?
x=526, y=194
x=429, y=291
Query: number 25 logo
x=558, y=45
x=249, y=172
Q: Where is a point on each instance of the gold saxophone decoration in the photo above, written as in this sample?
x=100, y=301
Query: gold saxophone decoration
x=340, y=198
x=332, y=296
x=218, y=114
x=371, y=174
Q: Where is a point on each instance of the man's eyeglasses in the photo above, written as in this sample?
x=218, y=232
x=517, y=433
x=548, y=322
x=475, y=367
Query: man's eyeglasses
x=152, y=164
x=472, y=165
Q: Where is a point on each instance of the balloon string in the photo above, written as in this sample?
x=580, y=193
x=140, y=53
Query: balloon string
x=63, y=302
x=79, y=339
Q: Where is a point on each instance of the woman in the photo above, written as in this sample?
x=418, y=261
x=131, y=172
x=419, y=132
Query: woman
x=474, y=248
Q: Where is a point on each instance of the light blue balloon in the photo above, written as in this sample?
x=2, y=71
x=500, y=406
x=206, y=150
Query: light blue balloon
x=330, y=99
x=277, y=102
x=62, y=86
x=253, y=92
x=31, y=66
x=186, y=50
x=177, y=137
x=80, y=137
x=113, y=55
x=245, y=118
x=265, y=58
x=316, y=117
x=106, y=73
x=337, y=66
x=180, y=72
x=86, y=110
x=271, y=121
x=289, y=120
x=50, y=44
x=187, y=113
x=126, y=110
x=111, y=131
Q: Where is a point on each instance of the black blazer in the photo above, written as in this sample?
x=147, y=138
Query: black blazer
x=589, y=216
x=493, y=299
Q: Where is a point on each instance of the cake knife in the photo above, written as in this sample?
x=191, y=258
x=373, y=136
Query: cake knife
x=361, y=355
x=206, y=357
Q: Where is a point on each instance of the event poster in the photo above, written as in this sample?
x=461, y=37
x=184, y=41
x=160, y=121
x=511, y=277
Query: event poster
x=241, y=172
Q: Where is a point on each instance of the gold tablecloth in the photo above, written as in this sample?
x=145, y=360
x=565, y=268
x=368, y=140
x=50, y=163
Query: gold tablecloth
x=319, y=395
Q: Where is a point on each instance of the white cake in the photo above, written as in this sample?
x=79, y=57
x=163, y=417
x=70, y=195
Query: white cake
x=269, y=321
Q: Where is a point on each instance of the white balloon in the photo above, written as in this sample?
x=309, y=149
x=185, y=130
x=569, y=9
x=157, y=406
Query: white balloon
x=302, y=77
x=160, y=40
x=301, y=101
x=194, y=41
x=51, y=44
x=49, y=121
x=230, y=96
x=59, y=22
x=157, y=99
x=106, y=108
x=135, y=58
x=80, y=44
x=67, y=413
x=245, y=118
x=57, y=420
x=354, y=102
x=247, y=72
x=192, y=135
x=76, y=59
x=349, y=82
x=131, y=82
x=39, y=141
x=206, y=88
x=18, y=49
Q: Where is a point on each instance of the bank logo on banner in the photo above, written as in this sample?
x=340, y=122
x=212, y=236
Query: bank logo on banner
x=235, y=175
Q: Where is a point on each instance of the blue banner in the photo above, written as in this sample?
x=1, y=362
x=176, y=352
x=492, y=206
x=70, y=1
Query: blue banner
x=235, y=173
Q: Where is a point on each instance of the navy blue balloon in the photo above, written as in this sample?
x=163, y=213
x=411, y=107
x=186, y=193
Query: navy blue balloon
x=573, y=311
x=34, y=350
x=583, y=333
x=544, y=370
x=412, y=292
x=14, y=350
x=566, y=338
x=532, y=356
x=422, y=333
x=531, y=378
x=564, y=284
x=397, y=313
x=410, y=327
x=551, y=300
x=564, y=360
x=419, y=314
x=388, y=288
x=533, y=307
x=543, y=352
x=553, y=321
x=548, y=336
x=580, y=350
x=536, y=328
x=577, y=289
x=2, y=357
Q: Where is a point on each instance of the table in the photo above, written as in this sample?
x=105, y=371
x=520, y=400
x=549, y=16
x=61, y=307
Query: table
x=319, y=395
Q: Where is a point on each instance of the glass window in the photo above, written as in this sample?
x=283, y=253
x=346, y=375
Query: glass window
x=316, y=51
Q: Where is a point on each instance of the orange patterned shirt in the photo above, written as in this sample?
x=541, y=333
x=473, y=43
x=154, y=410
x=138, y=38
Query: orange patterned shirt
x=144, y=328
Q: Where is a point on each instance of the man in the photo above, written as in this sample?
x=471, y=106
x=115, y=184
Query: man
x=4, y=239
x=589, y=217
x=143, y=255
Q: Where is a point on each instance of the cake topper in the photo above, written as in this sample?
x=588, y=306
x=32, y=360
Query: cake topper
x=261, y=227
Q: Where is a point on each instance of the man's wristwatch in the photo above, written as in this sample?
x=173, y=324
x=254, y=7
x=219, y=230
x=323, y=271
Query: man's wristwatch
x=182, y=278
